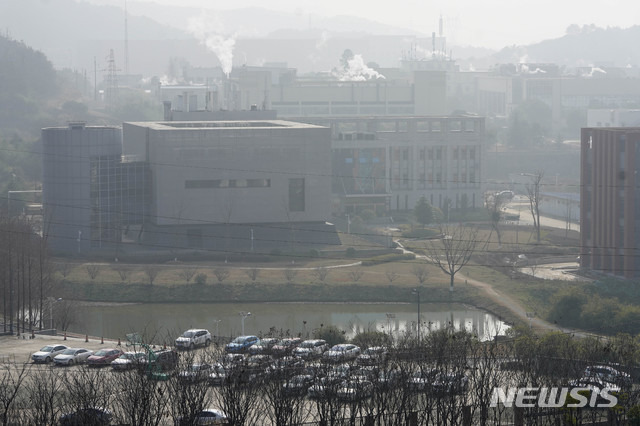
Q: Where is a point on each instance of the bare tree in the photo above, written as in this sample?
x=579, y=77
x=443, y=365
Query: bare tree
x=65, y=312
x=93, y=270
x=494, y=204
x=252, y=273
x=65, y=268
x=356, y=274
x=321, y=273
x=187, y=274
x=454, y=250
x=123, y=272
x=189, y=395
x=221, y=274
x=12, y=377
x=391, y=275
x=533, y=195
x=290, y=274
x=151, y=271
x=420, y=272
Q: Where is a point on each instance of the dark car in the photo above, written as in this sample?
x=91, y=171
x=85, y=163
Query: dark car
x=162, y=360
x=103, y=357
x=91, y=416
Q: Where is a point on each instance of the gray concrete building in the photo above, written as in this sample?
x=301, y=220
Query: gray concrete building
x=231, y=186
x=238, y=186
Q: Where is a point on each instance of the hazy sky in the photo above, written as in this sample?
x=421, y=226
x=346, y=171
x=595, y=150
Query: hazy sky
x=490, y=23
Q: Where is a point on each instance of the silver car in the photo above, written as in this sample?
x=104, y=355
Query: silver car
x=72, y=356
x=47, y=353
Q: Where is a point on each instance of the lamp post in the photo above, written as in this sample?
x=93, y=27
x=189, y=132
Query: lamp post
x=416, y=292
x=52, y=300
x=217, y=321
x=244, y=315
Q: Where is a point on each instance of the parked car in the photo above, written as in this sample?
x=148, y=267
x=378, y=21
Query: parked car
x=160, y=361
x=241, y=344
x=286, y=346
x=311, y=348
x=103, y=357
x=192, y=338
x=129, y=360
x=450, y=384
x=594, y=385
x=218, y=375
x=297, y=385
x=422, y=380
x=324, y=387
x=375, y=355
x=72, y=356
x=94, y=416
x=209, y=416
x=354, y=390
x=47, y=353
x=196, y=373
x=263, y=347
x=342, y=352
x=607, y=374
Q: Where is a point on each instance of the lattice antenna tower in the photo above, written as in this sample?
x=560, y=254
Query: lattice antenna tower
x=126, y=39
x=111, y=92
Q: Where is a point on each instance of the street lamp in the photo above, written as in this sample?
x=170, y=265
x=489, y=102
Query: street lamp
x=217, y=321
x=244, y=315
x=416, y=292
x=52, y=300
x=389, y=318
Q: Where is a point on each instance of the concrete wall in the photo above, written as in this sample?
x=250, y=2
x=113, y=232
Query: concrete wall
x=66, y=182
x=276, y=151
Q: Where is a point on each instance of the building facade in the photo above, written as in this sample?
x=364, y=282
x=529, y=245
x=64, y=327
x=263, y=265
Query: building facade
x=610, y=200
x=388, y=163
x=239, y=186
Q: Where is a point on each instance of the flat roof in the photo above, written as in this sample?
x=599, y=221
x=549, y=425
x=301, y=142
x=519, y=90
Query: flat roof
x=206, y=125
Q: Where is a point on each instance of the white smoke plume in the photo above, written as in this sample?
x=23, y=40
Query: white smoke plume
x=207, y=29
x=357, y=70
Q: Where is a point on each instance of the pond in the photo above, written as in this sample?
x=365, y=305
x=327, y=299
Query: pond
x=163, y=322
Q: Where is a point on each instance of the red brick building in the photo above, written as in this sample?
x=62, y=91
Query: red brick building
x=610, y=200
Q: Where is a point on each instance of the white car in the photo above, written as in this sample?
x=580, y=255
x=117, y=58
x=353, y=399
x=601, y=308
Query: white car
x=374, y=355
x=342, y=352
x=192, y=338
x=209, y=416
x=310, y=348
x=607, y=374
x=72, y=356
x=47, y=353
x=129, y=360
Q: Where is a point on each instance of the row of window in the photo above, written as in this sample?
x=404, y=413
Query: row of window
x=227, y=183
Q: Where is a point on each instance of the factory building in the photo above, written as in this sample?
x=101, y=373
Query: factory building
x=234, y=186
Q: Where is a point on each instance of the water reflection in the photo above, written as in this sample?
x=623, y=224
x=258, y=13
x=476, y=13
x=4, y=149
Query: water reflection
x=163, y=322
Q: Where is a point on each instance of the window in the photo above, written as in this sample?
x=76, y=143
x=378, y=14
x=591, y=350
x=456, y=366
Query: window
x=296, y=195
x=227, y=183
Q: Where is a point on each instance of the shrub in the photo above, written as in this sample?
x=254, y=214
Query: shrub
x=201, y=279
x=351, y=252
